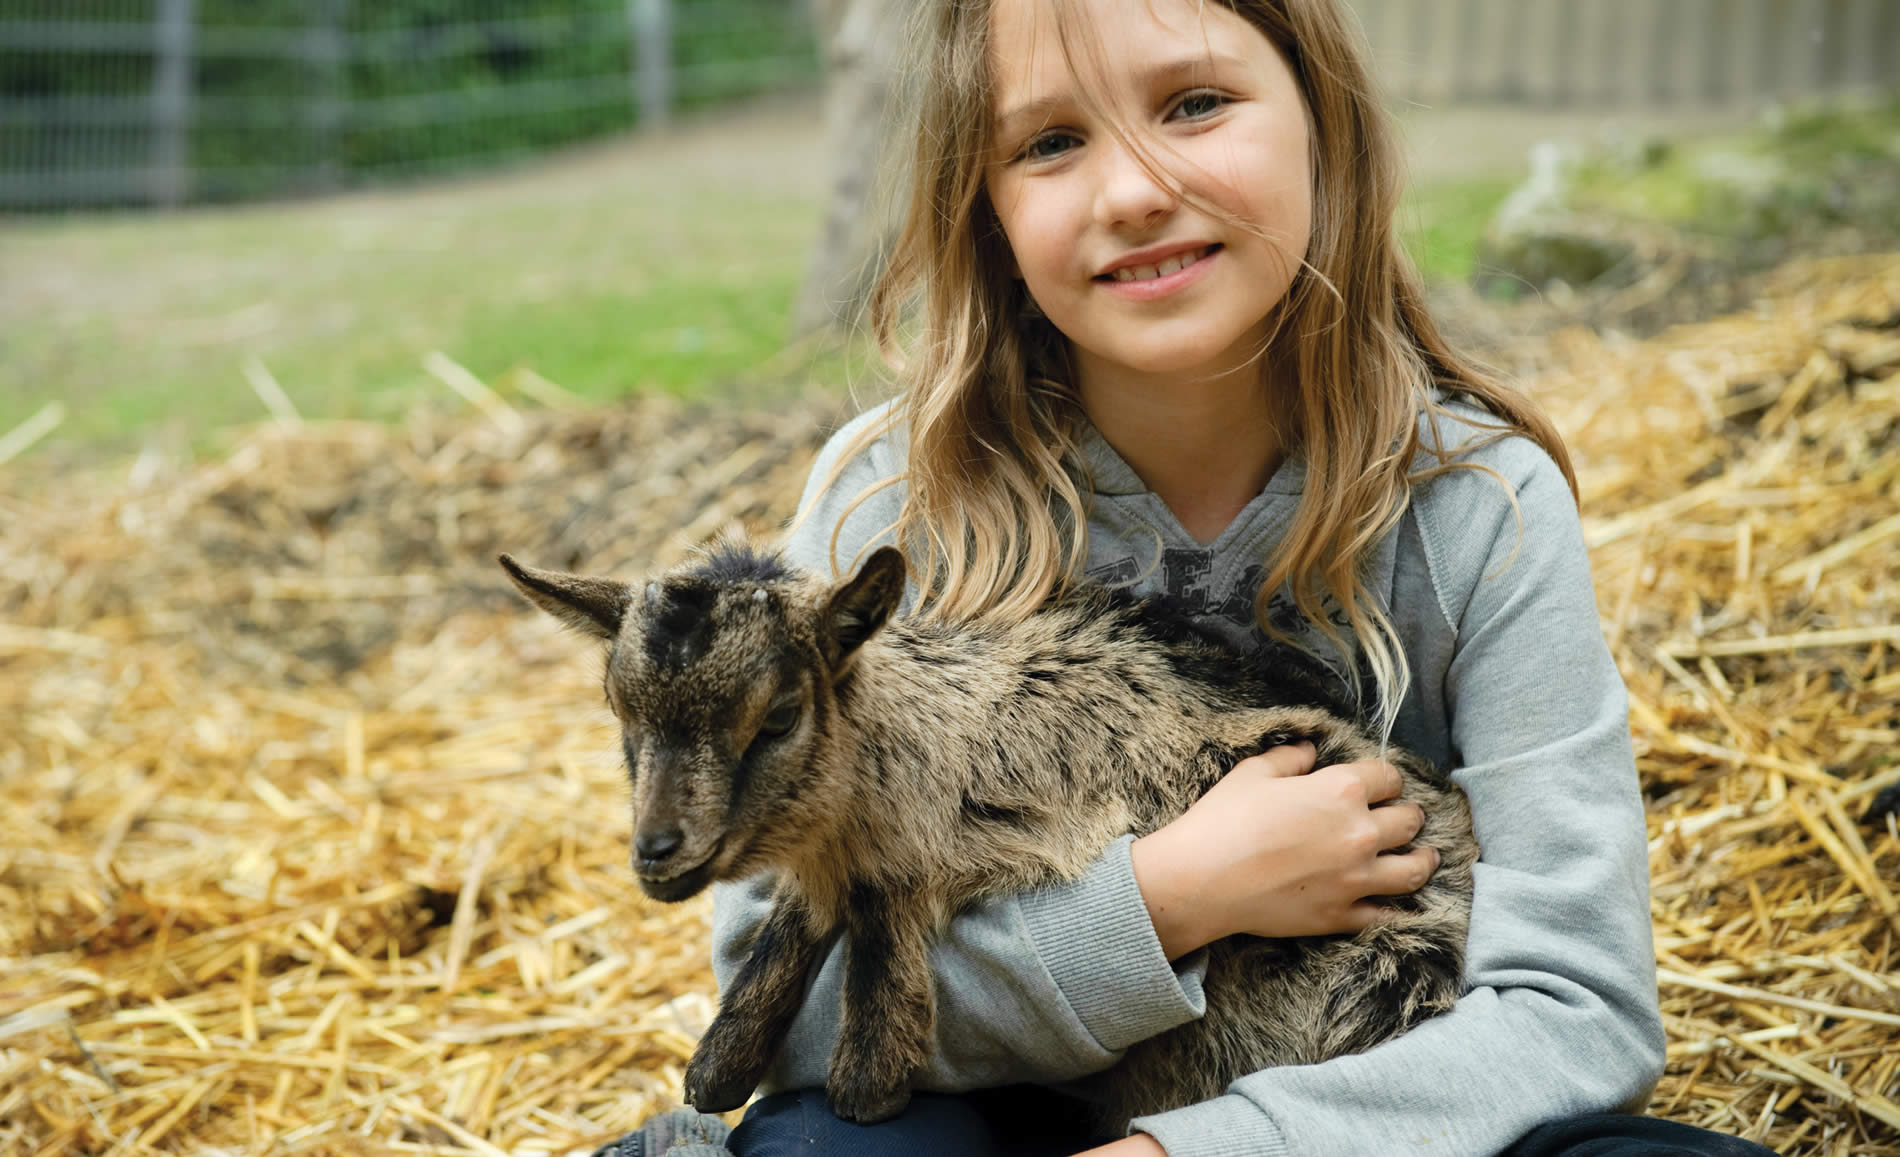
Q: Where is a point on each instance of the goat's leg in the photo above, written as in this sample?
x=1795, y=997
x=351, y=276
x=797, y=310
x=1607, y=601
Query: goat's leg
x=889, y=1010
x=756, y=1011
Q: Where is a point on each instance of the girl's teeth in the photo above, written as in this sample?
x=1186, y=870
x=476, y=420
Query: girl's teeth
x=1149, y=272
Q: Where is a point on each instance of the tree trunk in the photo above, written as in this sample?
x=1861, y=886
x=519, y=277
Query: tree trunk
x=863, y=45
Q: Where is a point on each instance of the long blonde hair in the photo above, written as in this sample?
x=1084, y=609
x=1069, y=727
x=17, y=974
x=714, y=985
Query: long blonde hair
x=993, y=519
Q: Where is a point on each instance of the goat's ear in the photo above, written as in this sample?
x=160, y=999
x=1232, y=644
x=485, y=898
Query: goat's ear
x=593, y=605
x=862, y=604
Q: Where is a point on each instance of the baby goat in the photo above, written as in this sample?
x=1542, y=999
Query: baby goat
x=893, y=772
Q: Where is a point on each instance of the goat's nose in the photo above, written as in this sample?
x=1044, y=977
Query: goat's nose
x=654, y=846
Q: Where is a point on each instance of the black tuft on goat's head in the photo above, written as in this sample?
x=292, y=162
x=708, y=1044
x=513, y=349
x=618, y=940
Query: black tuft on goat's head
x=723, y=673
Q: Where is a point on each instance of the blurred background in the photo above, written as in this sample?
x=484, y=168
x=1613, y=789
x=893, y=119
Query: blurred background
x=629, y=195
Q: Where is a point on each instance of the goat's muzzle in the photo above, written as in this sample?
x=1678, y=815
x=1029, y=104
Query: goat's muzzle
x=667, y=880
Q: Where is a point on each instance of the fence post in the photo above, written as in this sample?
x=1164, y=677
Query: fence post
x=1716, y=30
x=1861, y=66
x=1466, y=79
x=1665, y=41
x=1568, y=44
x=1513, y=80
x=1838, y=54
x=171, y=102
x=1812, y=35
x=652, y=23
x=327, y=52
x=1886, y=40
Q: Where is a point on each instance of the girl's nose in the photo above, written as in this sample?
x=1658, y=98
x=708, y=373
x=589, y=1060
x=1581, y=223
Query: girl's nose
x=1127, y=194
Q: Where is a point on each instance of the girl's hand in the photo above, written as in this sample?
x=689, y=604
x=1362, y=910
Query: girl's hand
x=1277, y=849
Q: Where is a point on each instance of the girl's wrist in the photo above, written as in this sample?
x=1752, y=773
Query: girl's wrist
x=1168, y=890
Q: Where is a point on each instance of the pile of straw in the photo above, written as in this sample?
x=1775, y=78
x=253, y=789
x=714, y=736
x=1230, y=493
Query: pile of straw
x=1742, y=499
x=312, y=841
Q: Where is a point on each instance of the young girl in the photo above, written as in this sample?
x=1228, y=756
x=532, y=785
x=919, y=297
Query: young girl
x=1159, y=333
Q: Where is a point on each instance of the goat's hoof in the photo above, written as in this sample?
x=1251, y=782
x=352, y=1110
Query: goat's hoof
x=860, y=1102
x=716, y=1092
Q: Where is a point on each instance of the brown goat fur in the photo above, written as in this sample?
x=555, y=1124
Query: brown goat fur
x=891, y=772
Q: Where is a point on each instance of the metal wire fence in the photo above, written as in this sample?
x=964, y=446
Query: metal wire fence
x=112, y=102
x=108, y=102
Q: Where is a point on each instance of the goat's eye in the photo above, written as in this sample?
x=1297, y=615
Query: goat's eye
x=779, y=721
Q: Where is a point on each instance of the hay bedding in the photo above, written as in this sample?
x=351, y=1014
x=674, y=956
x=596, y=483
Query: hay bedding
x=312, y=842
x=1742, y=500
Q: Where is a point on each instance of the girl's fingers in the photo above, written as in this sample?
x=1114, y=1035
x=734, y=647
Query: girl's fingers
x=1398, y=823
x=1282, y=762
x=1401, y=872
x=1380, y=778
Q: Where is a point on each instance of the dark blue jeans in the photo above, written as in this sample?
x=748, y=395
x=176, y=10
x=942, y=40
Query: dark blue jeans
x=1027, y=1122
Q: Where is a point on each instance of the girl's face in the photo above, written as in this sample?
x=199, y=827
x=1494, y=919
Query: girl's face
x=1139, y=280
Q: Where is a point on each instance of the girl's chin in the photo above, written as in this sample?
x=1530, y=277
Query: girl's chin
x=1182, y=363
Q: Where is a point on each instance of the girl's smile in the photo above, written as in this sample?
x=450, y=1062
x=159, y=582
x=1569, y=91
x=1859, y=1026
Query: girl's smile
x=1137, y=280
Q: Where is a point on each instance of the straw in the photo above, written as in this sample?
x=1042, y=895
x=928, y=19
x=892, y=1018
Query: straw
x=44, y=421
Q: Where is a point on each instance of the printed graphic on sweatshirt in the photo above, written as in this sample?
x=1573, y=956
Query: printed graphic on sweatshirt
x=1186, y=580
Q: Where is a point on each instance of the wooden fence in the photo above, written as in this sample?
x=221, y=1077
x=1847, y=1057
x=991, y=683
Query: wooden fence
x=1643, y=53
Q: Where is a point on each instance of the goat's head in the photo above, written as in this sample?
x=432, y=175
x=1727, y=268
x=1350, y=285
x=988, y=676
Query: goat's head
x=723, y=673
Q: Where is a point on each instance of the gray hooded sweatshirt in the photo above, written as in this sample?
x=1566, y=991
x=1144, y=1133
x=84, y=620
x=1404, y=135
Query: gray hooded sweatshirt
x=1487, y=582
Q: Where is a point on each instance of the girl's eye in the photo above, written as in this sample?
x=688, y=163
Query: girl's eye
x=779, y=721
x=1048, y=146
x=1196, y=105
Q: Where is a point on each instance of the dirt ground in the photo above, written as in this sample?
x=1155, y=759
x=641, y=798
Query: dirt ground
x=768, y=146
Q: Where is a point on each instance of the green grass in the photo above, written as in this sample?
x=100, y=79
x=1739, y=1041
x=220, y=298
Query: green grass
x=665, y=266
x=171, y=316
x=648, y=265
x=678, y=337
x=1441, y=224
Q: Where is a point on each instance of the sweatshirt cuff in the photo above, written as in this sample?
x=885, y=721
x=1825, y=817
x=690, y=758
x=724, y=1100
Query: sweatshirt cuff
x=1096, y=939
x=1228, y=1126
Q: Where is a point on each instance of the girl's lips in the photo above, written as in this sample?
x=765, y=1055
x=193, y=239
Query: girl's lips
x=1158, y=287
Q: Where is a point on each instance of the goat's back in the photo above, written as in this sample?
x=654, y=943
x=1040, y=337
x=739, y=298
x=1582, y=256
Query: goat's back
x=991, y=758
x=1105, y=714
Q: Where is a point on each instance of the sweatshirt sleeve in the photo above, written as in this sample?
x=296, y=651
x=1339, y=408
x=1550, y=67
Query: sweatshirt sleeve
x=1561, y=1015
x=1047, y=986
